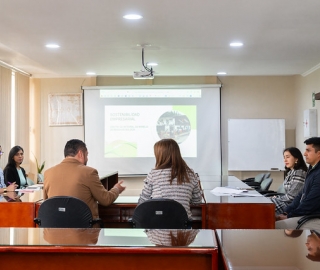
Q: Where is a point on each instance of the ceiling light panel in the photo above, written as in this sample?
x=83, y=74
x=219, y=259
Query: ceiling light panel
x=132, y=17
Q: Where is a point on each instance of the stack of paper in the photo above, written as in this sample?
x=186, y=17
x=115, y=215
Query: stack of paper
x=29, y=188
x=227, y=191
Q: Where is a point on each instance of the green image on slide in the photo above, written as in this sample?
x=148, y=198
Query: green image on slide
x=120, y=148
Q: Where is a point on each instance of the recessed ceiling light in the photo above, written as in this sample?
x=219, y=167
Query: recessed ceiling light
x=222, y=73
x=132, y=17
x=91, y=73
x=152, y=64
x=236, y=44
x=52, y=46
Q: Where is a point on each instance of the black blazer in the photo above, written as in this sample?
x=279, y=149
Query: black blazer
x=11, y=175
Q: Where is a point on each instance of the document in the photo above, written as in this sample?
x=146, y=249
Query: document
x=28, y=189
x=247, y=195
x=225, y=191
x=235, y=192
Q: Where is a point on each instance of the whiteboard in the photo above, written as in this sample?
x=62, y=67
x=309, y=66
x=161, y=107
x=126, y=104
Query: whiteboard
x=256, y=144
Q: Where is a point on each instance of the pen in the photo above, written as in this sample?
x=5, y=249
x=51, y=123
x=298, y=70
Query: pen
x=9, y=183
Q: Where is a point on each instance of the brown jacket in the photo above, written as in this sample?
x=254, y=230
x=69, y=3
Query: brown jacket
x=72, y=178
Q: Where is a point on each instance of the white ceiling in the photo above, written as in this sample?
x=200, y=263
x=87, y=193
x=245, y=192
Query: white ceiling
x=187, y=37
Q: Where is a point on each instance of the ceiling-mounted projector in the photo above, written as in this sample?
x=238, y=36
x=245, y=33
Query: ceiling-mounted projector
x=145, y=73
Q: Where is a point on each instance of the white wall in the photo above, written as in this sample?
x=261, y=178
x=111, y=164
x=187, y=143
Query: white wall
x=242, y=97
x=257, y=97
x=304, y=86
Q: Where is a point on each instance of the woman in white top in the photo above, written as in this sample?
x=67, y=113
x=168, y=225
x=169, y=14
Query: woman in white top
x=13, y=172
x=171, y=178
x=3, y=186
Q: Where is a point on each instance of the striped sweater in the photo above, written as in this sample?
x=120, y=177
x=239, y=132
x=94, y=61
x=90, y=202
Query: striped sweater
x=157, y=185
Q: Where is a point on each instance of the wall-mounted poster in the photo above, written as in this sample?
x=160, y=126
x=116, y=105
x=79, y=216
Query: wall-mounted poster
x=65, y=109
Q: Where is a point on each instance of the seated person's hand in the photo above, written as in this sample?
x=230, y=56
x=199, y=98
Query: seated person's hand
x=12, y=187
x=12, y=196
x=119, y=186
x=281, y=217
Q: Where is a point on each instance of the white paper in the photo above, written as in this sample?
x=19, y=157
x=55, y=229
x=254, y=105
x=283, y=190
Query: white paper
x=223, y=191
x=247, y=195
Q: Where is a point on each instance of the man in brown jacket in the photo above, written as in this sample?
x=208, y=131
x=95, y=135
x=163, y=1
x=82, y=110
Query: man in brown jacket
x=73, y=178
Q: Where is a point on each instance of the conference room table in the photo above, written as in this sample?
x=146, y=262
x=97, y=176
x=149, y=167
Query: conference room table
x=235, y=212
x=216, y=212
x=52, y=248
x=268, y=249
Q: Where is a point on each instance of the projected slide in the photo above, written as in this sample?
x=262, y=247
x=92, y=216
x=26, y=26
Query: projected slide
x=131, y=131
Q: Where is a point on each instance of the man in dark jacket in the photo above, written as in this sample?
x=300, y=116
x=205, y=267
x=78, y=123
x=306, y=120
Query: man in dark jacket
x=308, y=200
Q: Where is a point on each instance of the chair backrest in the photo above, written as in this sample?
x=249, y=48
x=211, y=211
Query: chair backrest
x=281, y=189
x=259, y=177
x=267, y=175
x=160, y=214
x=64, y=212
x=265, y=184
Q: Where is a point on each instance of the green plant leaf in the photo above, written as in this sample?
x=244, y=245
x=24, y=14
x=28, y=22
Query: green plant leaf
x=39, y=168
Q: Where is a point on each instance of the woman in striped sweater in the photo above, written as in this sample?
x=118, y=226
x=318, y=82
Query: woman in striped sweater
x=296, y=172
x=171, y=178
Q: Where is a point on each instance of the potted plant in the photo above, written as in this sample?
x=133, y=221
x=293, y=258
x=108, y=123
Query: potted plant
x=40, y=169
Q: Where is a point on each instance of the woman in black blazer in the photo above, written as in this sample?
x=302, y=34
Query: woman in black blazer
x=13, y=172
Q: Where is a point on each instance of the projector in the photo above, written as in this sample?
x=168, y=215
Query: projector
x=143, y=75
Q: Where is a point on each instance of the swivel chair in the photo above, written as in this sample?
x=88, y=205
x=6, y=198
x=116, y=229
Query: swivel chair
x=258, y=178
x=265, y=185
x=271, y=193
x=160, y=214
x=65, y=212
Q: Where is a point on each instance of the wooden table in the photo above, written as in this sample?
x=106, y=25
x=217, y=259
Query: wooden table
x=265, y=249
x=227, y=212
x=19, y=212
x=216, y=213
x=35, y=248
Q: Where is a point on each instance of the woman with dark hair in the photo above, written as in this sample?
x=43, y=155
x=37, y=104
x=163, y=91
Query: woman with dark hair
x=13, y=172
x=295, y=174
x=3, y=186
x=171, y=178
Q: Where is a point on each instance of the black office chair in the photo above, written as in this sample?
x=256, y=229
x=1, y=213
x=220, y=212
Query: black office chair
x=271, y=193
x=256, y=181
x=304, y=220
x=265, y=185
x=160, y=214
x=65, y=212
x=258, y=178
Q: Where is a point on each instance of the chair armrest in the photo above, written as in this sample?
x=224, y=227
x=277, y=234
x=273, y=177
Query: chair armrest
x=37, y=221
x=189, y=224
x=304, y=219
x=273, y=194
x=251, y=179
x=97, y=221
x=253, y=184
x=268, y=191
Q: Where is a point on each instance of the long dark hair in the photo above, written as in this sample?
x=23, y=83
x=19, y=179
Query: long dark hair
x=14, y=150
x=167, y=153
x=300, y=164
